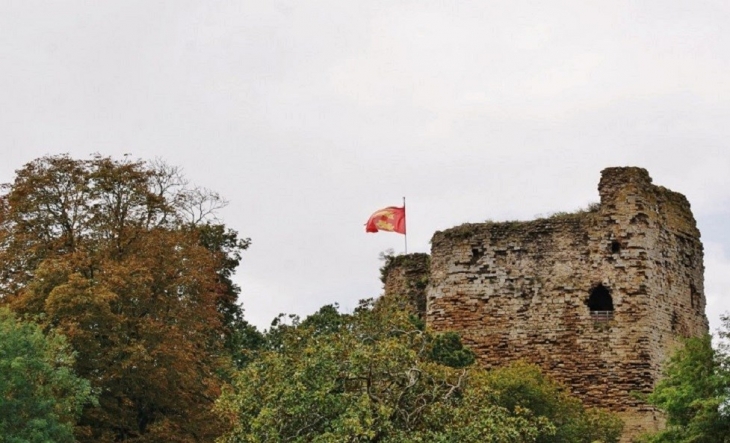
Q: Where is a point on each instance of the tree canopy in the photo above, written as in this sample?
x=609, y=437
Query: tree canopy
x=695, y=393
x=40, y=396
x=127, y=260
x=377, y=376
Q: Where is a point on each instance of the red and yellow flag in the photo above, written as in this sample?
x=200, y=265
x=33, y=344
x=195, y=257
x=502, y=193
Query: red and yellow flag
x=392, y=219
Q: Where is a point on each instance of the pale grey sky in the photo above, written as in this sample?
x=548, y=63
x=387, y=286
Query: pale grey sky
x=308, y=116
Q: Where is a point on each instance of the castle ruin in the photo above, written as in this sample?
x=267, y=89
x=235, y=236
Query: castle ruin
x=598, y=298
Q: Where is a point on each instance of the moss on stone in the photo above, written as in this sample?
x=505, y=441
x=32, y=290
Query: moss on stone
x=418, y=262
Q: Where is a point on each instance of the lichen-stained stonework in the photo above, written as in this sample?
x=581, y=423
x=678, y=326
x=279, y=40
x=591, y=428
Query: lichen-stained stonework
x=520, y=291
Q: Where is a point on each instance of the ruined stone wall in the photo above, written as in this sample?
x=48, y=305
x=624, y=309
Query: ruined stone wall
x=408, y=276
x=520, y=291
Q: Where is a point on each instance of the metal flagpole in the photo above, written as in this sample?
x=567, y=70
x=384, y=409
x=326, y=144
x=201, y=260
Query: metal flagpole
x=405, y=224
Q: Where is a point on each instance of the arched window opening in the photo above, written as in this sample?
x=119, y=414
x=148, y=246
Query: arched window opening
x=600, y=304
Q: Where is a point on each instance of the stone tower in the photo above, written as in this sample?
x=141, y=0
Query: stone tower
x=597, y=298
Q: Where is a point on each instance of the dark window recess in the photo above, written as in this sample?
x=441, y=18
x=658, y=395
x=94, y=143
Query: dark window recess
x=600, y=303
x=476, y=254
x=615, y=247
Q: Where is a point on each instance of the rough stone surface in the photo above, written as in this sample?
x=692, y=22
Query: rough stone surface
x=521, y=291
x=408, y=275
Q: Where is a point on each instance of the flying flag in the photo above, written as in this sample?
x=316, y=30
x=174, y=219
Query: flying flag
x=392, y=219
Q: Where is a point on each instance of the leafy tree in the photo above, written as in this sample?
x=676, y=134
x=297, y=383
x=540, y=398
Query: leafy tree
x=40, y=396
x=241, y=338
x=695, y=393
x=523, y=387
x=327, y=320
x=447, y=349
x=374, y=376
x=128, y=262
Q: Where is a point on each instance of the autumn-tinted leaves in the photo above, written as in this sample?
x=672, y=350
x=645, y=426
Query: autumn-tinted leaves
x=123, y=259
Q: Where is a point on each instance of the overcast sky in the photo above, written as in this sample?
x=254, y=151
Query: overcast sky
x=308, y=116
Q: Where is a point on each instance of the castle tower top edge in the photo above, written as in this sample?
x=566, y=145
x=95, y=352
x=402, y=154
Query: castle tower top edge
x=598, y=298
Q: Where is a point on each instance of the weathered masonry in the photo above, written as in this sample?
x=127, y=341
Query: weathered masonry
x=597, y=298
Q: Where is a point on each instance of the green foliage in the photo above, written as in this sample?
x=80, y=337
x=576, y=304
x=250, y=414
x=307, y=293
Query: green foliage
x=695, y=393
x=448, y=350
x=418, y=322
x=374, y=376
x=40, y=396
x=475, y=417
x=524, y=387
x=129, y=263
x=327, y=320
